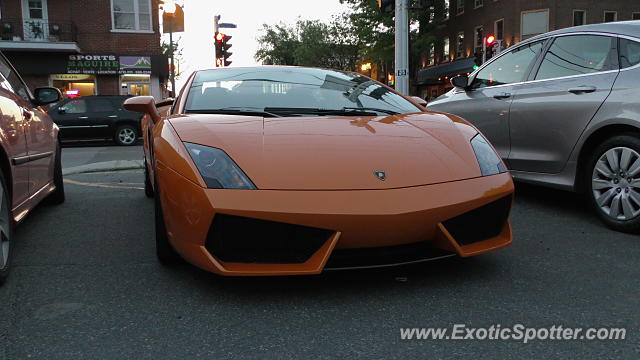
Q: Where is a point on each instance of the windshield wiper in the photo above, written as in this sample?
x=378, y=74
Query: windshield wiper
x=384, y=111
x=234, y=111
x=318, y=111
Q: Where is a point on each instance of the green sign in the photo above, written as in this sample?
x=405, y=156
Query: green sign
x=93, y=64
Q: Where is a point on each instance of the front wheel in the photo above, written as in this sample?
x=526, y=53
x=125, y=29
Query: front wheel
x=57, y=196
x=148, y=189
x=6, y=232
x=164, y=250
x=614, y=182
x=126, y=135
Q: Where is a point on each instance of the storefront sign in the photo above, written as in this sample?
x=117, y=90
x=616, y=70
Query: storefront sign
x=93, y=64
x=135, y=64
x=70, y=77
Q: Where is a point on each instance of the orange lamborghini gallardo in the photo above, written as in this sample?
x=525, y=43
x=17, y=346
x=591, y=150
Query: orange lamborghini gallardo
x=289, y=171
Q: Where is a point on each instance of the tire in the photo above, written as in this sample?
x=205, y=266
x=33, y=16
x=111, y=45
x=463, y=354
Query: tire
x=57, y=196
x=164, y=250
x=6, y=232
x=126, y=135
x=148, y=189
x=613, y=178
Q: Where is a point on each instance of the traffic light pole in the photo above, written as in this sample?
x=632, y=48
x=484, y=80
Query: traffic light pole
x=402, y=46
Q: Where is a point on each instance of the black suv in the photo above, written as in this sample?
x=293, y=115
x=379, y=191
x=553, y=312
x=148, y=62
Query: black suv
x=96, y=117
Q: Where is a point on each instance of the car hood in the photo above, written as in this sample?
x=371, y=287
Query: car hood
x=338, y=152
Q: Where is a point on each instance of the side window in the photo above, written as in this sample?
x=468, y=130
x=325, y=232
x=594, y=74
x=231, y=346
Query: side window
x=13, y=81
x=577, y=55
x=629, y=53
x=77, y=106
x=509, y=68
x=101, y=105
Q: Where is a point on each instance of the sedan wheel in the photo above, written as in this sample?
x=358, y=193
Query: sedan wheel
x=615, y=183
x=126, y=135
x=5, y=234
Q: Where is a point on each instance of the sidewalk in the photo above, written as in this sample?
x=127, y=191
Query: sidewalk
x=113, y=165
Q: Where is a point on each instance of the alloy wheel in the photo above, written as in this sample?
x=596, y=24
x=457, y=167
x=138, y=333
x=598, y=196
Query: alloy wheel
x=127, y=136
x=615, y=183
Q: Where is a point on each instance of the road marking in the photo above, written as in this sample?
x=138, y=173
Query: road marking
x=104, y=185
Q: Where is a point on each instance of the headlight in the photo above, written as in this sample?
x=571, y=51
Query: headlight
x=217, y=168
x=490, y=162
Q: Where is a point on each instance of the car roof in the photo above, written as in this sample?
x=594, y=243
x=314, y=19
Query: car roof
x=628, y=28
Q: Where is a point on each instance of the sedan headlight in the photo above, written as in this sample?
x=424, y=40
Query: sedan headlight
x=217, y=168
x=490, y=162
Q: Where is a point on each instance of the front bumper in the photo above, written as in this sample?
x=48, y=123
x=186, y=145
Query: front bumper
x=374, y=221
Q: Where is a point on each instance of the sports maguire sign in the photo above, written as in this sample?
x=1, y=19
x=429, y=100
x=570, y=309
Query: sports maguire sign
x=93, y=64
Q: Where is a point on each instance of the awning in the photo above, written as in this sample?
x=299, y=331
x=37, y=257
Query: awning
x=430, y=75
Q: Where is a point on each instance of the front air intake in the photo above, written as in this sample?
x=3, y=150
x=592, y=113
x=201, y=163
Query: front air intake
x=246, y=240
x=479, y=224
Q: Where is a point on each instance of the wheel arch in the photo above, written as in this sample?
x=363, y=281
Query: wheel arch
x=5, y=166
x=593, y=140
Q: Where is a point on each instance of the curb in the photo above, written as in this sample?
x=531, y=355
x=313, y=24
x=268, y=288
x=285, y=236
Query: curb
x=105, y=166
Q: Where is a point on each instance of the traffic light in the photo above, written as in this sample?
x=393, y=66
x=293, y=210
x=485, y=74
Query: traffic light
x=390, y=79
x=489, y=42
x=386, y=5
x=477, y=60
x=222, y=49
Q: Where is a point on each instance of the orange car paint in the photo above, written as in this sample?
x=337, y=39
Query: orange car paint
x=295, y=171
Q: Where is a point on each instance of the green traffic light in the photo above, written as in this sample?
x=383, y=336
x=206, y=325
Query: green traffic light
x=475, y=67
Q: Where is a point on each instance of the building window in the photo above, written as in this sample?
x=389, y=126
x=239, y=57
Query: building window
x=459, y=7
x=460, y=45
x=131, y=15
x=431, y=60
x=635, y=16
x=445, y=49
x=478, y=3
x=610, y=16
x=534, y=22
x=498, y=29
x=445, y=9
x=579, y=17
x=478, y=38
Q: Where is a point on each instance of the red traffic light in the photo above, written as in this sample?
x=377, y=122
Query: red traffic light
x=219, y=37
x=490, y=39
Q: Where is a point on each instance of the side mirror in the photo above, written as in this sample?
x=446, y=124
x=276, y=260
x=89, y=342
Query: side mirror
x=143, y=104
x=46, y=95
x=419, y=100
x=461, y=81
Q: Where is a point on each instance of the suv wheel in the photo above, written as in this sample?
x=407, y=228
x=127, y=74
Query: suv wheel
x=614, y=182
x=126, y=135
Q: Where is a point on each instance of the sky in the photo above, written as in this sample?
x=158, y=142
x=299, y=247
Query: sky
x=197, y=40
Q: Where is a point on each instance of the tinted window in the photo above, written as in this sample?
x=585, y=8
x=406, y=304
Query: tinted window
x=101, y=105
x=258, y=88
x=629, y=53
x=509, y=68
x=76, y=106
x=576, y=55
x=17, y=86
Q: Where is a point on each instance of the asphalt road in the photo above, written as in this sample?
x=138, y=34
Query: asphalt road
x=86, y=285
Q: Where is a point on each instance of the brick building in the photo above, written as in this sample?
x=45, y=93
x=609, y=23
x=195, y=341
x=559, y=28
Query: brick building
x=103, y=47
x=469, y=21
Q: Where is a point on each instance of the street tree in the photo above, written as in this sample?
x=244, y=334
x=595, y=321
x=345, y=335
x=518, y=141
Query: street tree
x=307, y=43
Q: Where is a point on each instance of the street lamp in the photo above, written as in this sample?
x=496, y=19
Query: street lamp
x=169, y=9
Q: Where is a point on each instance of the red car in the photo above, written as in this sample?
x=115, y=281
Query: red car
x=30, y=166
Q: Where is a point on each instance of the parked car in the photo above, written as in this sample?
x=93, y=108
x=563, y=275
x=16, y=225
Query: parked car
x=96, y=117
x=292, y=171
x=562, y=109
x=30, y=164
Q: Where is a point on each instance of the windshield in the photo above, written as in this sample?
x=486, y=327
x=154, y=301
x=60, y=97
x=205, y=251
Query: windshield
x=292, y=92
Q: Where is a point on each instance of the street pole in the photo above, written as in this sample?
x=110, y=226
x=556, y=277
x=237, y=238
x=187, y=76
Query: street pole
x=402, y=47
x=484, y=50
x=173, y=70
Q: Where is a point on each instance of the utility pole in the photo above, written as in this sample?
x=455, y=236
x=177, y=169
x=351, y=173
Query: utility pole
x=402, y=47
